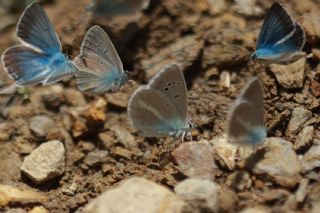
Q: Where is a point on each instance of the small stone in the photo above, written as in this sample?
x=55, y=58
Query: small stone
x=248, y=8
x=16, y=210
x=74, y=97
x=217, y=6
x=311, y=26
x=183, y=53
x=40, y=125
x=10, y=194
x=302, y=191
x=290, y=76
x=107, y=168
x=239, y=181
x=123, y=153
x=195, y=159
x=224, y=55
x=199, y=194
x=280, y=163
x=224, y=152
x=38, y=209
x=227, y=200
x=256, y=209
x=124, y=137
x=45, y=162
x=298, y=117
x=96, y=157
x=311, y=159
x=136, y=195
x=304, y=138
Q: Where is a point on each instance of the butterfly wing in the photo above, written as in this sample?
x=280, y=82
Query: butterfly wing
x=171, y=82
x=245, y=125
x=35, y=29
x=153, y=113
x=29, y=67
x=101, y=69
x=277, y=25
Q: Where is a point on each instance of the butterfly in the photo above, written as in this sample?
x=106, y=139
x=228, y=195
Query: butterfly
x=39, y=59
x=160, y=108
x=245, y=123
x=117, y=7
x=100, y=67
x=281, y=38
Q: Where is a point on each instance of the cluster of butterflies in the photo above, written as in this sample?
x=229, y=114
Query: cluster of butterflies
x=159, y=108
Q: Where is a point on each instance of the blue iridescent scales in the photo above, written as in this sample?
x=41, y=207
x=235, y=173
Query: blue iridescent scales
x=281, y=38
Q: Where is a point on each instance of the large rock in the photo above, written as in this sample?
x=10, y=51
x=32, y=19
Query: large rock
x=200, y=194
x=311, y=159
x=224, y=152
x=45, y=162
x=280, y=163
x=195, y=159
x=290, y=76
x=136, y=195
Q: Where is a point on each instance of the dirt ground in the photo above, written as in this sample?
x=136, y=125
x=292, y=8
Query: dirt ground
x=221, y=42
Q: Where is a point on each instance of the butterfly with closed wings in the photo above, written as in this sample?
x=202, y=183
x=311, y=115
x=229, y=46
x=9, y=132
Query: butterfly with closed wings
x=160, y=108
x=245, y=124
x=39, y=59
x=100, y=67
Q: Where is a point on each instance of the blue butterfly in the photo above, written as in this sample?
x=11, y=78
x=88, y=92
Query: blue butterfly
x=245, y=125
x=100, y=67
x=281, y=38
x=117, y=7
x=39, y=59
x=160, y=108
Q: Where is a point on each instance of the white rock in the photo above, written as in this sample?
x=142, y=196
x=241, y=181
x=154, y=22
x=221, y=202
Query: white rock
x=290, y=76
x=248, y=8
x=224, y=152
x=304, y=138
x=311, y=159
x=217, y=6
x=136, y=195
x=298, y=117
x=45, y=162
x=200, y=194
x=279, y=163
x=256, y=209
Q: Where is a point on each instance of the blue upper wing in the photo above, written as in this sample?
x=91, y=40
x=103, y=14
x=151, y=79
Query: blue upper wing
x=277, y=26
x=35, y=29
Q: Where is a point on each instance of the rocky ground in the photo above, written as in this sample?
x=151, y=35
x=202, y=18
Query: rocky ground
x=60, y=148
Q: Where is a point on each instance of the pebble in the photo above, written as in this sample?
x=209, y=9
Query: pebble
x=124, y=136
x=45, y=162
x=224, y=152
x=256, y=209
x=239, y=181
x=290, y=76
x=310, y=22
x=298, y=117
x=280, y=163
x=184, y=53
x=38, y=209
x=200, y=194
x=195, y=159
x=74, y=97
x=302, y=191
x=224, y=55
x=216, y=7
x=304, y=139
x=311, y=159
x=10, y=194
x=40, y=125
x=248, y=8
x=136, y=195
x=123, y=153
x=96, y=157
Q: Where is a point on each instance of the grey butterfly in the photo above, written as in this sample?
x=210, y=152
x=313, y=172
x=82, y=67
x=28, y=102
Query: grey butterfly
x=100, y=66
x=160, y=108
x=246, y=125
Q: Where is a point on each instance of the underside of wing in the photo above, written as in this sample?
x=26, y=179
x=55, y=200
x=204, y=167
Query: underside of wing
x=153, y=113
x=171, y=82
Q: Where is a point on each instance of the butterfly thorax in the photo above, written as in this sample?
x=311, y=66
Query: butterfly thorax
x=57, y=59
x=183, y=132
